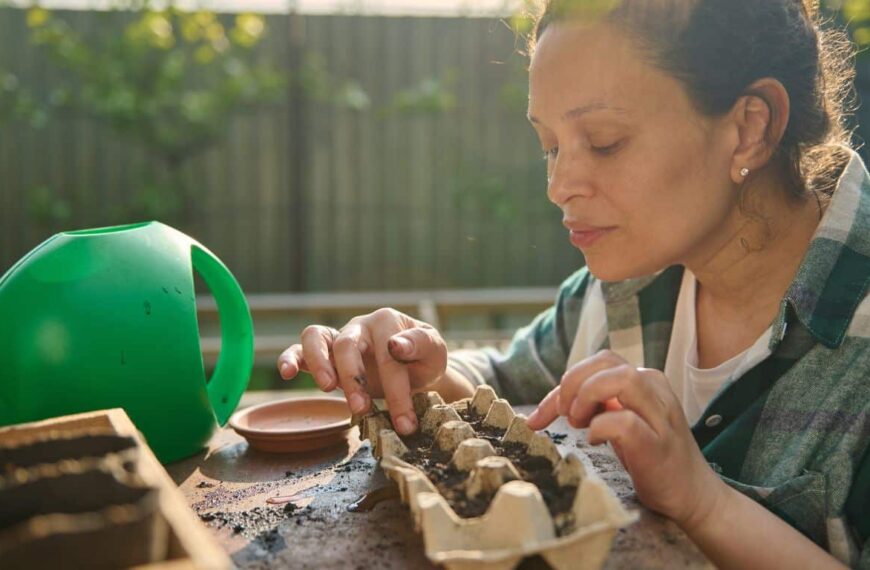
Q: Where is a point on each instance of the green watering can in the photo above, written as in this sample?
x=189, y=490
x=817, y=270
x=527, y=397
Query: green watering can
x=106, y=318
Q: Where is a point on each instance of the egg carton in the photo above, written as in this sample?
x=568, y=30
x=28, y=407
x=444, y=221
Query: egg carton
x=516, y=522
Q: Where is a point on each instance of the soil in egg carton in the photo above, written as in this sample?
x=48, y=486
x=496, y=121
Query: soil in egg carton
x=450, y=481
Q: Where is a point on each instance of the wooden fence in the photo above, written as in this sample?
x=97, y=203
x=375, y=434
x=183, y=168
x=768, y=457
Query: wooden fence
x=307, y=196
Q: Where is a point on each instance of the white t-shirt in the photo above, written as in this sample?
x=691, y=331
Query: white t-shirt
x=696, y=387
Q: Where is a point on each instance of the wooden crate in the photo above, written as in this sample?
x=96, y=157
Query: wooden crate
x=190, y=544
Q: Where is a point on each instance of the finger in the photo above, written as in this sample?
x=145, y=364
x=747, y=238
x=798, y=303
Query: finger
x=588, y=401
x=347, y=350
x=394, y=375
x=546, y=412
x=632, y=389
x=577, y=374
x=421, y=348
x=291, y=362
x=316, y=343
x=626, y=431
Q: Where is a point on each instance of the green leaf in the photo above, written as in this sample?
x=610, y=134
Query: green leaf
x=37, y=17
x=170, y=81
x=352, y=96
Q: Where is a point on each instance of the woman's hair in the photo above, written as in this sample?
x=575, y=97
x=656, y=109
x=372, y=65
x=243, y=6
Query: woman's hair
x=718, y=48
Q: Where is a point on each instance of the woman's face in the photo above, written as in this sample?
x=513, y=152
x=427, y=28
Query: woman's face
x=643, y=179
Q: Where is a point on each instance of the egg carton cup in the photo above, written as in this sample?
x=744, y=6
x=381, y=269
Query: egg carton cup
x=517, y=522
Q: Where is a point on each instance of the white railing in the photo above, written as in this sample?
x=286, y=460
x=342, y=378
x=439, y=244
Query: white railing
x=280, y=317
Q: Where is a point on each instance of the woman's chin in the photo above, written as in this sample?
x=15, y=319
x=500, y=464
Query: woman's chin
x=611, y=270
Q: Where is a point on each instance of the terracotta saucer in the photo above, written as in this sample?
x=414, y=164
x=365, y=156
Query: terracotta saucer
x=294, y=425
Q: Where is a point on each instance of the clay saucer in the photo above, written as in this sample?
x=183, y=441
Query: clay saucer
x=294, y=425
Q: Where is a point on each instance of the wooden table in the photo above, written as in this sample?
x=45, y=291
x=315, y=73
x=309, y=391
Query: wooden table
x=229, y=484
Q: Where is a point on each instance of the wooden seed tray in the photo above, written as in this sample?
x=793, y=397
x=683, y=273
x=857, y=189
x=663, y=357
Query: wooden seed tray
x=189, y=543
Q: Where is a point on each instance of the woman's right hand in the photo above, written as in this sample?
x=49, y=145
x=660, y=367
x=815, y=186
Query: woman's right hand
x=385, y=354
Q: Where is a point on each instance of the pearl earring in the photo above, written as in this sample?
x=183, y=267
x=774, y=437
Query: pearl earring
x=744, y=172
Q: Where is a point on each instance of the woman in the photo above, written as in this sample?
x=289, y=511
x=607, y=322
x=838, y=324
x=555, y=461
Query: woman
x=696, y=150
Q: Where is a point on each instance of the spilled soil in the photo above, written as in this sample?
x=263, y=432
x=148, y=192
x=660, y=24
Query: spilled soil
x=268, y=526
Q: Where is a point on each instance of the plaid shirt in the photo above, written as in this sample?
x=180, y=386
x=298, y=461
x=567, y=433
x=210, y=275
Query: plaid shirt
x=793, y=432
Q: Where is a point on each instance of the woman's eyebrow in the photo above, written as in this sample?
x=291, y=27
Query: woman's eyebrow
x=583, y=109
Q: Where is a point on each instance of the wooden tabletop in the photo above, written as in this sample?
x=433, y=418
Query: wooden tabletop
x=229, y=484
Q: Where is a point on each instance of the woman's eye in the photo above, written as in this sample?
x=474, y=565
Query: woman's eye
x=607, y=150
x=551, y=153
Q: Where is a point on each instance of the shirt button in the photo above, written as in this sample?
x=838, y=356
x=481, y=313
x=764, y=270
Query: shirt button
x=713, y=421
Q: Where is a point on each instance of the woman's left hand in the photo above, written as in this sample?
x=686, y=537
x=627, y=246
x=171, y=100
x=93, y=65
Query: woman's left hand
x=647, y=429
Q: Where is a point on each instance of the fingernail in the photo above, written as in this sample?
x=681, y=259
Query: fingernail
x=401, y=346
x=357, y=403
x=405, y=425
x=285, y=370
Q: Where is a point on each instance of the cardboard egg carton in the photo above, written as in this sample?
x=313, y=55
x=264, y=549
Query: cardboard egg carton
x=515, y=519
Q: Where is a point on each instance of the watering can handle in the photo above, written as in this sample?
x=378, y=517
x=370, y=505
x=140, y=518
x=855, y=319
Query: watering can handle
x=233, y=368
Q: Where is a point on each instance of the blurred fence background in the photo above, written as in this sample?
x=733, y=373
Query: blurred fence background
x=395, y=157
x=425, y=175
x=400, y=159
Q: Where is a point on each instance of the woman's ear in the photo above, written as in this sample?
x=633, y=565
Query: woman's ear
x=761, y=116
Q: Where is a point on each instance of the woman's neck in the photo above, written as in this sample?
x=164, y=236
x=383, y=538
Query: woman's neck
x=743, y=280
x=755, y=259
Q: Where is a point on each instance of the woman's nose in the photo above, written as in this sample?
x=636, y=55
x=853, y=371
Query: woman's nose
x=567, y=178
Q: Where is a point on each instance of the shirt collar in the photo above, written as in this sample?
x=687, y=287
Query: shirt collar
x=833, y=277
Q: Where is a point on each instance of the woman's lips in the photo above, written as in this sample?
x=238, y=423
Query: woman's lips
x=587, y=237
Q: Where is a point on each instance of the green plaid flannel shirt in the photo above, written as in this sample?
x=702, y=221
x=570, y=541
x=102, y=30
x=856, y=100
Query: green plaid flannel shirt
x=793, y=432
